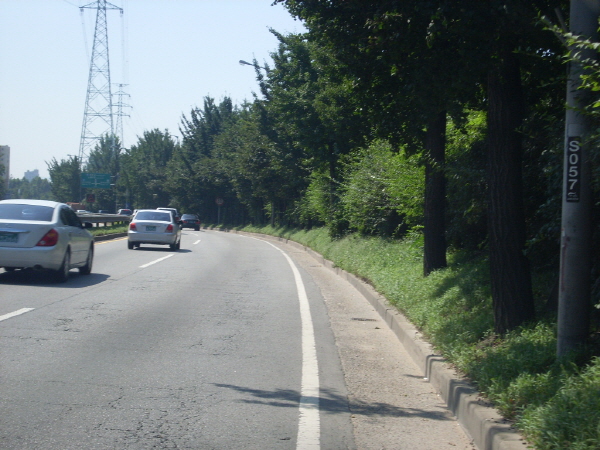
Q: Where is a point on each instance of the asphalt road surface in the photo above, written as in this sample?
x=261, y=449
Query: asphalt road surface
x=232, y=342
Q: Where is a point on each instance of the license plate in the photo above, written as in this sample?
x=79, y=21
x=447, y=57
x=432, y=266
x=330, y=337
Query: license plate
x=9, y=237
x=150, y=227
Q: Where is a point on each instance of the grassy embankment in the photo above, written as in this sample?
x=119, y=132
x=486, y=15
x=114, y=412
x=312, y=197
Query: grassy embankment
x=112, y=229
x=556, y=405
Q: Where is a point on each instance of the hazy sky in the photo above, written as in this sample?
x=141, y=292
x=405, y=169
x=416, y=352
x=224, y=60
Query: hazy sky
x=170, y=54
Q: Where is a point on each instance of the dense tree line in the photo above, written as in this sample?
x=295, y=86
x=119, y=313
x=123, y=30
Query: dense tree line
x=38, y=188
x=386, y=117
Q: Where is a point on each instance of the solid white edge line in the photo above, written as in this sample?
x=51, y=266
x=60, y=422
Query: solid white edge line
x=309, y=424
x=155, y=261
x=15, y=313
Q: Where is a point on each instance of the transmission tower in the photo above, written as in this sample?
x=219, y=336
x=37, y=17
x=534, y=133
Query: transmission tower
x=120, y=114
x=98, y=113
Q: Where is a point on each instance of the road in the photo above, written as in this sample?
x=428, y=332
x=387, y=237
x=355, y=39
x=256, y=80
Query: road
x=231, y=342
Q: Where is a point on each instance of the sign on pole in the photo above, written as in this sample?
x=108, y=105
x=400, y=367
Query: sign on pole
x=95, y=180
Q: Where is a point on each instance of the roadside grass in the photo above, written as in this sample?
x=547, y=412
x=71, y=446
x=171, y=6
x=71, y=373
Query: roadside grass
x=555, y=404
x=111, y=229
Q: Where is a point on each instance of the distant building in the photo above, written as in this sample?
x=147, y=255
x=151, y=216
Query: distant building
x=31, y=174
x=5, y=161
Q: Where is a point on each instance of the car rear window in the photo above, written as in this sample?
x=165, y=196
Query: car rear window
x=153, y=215
x=189, y=216
x=26, y=212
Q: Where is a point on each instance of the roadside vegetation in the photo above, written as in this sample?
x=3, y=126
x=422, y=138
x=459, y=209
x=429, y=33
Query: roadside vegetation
x=419, y=145
x=108, y=230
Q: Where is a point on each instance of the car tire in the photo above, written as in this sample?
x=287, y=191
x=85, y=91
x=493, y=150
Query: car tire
x=130, y=245
x=62, y=274
x=197, y=228
x=87, y=269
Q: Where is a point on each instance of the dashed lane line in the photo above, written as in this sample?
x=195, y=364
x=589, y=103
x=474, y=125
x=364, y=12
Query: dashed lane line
x=15, y=313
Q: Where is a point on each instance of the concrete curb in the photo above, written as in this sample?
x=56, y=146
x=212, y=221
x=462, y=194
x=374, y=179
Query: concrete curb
x=488, y=429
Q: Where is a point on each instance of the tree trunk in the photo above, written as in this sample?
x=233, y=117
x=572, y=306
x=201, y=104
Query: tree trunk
x=435, y=196
x=510, y=272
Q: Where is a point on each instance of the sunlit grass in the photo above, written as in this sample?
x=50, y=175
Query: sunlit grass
x=112, y=229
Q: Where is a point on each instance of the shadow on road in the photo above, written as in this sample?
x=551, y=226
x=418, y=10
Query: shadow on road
x=29, y=277
x=333, y=403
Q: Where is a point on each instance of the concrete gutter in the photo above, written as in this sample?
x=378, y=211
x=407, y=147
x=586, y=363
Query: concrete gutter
x=488, y=429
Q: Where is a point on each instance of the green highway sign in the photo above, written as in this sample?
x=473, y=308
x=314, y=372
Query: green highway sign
x=95, y=180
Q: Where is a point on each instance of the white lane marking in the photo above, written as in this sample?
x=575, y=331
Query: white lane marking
x=197, y=242
x=155, y=261
x=15, y=313
x=309, y=424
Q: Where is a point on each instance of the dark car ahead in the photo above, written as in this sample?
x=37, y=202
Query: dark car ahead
x=190, y=221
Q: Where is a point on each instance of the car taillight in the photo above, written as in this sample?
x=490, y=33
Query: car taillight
x=132, y=226
x=49, y=239
x=169, y=227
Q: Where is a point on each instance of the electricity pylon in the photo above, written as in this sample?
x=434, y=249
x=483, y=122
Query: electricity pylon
x=98, y=113
x=120, y=114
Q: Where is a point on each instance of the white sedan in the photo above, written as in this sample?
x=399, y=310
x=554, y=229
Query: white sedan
x=151, y=226
x=44, y=235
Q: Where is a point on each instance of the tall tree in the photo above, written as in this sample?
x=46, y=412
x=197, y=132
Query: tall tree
x=502, y=37
x=258, y=172
x=144, y=173
x=65, y=177
x=428, y=45
x=196, y=175
x=2, y=184
x=105, y=158
x=308, y=109
x=402, y=83
x=38, y=188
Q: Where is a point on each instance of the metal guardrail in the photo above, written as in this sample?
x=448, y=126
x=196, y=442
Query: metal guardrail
x=103, y=219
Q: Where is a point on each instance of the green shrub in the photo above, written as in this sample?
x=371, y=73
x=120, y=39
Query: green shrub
x=383, y=191
x=112, y=229
x=571, y=419
x=466, y=182
x=315, y=204
x=500, y=362
x=527, y=390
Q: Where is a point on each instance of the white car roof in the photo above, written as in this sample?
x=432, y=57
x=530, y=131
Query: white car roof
x=23, y=201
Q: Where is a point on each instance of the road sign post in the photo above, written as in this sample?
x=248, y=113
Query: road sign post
x=219, y=201
x=95, y=180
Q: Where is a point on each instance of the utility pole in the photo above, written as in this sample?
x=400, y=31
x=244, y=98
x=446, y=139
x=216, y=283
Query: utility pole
x=576, y=236
x=98, y=113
